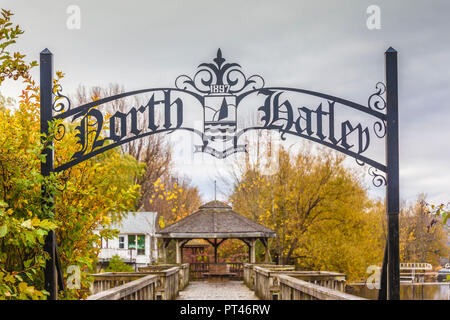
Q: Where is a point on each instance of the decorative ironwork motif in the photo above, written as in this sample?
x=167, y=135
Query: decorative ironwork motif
x=60, y=131
x=64, y=179
x=219, y=77
x=61, y=102
x=219, y=91
x=378, y=179
x=377, y=102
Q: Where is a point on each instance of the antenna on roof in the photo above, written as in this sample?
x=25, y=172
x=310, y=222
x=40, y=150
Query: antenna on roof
x=215, y=192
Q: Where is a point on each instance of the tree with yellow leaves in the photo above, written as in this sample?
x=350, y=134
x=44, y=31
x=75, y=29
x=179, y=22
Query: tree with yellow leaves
x=174, y=198
x=422, y=235
x=319, y=209
x=162, y=190
x=88, y=197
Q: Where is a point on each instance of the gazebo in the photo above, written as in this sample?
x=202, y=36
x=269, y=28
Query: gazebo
x=215, y=222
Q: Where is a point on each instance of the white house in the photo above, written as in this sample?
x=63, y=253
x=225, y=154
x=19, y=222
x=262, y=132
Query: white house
x=136, y=243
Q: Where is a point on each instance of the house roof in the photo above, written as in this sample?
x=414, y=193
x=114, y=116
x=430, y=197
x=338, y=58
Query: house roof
x=215, y=219
x=137, y=223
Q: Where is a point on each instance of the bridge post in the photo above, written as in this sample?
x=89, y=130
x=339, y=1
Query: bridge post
x=392, y=176
x=46, y=101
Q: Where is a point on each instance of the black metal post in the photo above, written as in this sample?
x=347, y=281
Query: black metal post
x=46, y=100
x=392, y=163
x=382, y=293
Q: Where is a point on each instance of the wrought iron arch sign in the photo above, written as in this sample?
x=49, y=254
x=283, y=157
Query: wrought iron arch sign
x=218, y=93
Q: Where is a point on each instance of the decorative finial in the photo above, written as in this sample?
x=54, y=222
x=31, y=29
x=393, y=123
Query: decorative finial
x=219, y=60
x=391, y=50
x=46, y=51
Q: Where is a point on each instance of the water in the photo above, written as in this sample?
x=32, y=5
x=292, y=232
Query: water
x=408, y=291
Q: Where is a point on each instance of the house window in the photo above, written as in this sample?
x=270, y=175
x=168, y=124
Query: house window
x=141, y=244
x=131, y=241
x=121, y=242
x=137, y=242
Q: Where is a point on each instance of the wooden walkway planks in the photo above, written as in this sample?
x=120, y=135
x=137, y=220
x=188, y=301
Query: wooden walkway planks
x=227, y=290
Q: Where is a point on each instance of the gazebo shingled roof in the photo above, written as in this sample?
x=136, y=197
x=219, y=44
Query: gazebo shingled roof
x=214, y=220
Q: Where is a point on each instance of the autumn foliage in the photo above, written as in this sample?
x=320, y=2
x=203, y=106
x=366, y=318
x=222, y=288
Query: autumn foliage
x=320, y=210
x=88, y=196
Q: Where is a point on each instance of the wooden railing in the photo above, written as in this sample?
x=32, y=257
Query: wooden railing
x=265, y=281
x=331, y=280
x=168, y=280
x=183, y=276
x=238, y=268
x=249, y=272
x=109, y=280
x=168, y=284
x=197, y=269
x=139, y=289
x=296, y=289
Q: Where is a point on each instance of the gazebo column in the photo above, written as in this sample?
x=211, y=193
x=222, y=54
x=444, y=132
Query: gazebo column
x=251, y=249
x=215, y=250
x=178, y=251
x=252, y=254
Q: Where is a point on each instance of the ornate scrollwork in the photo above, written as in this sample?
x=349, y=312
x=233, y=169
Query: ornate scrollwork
x=378, y=179
x=61, y=102
x=219, y=87
x=376, y=101
x=64, y=178
x=219, y=73
x=60, y=131
x=379, y=128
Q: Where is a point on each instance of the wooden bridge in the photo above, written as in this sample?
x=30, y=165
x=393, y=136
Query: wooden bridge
x=216, y=220
x=260, y=281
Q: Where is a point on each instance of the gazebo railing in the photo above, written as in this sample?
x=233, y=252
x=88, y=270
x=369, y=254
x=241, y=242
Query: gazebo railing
x=197, y=269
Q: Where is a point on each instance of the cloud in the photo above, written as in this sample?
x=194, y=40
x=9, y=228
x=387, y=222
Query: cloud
x=322, y=45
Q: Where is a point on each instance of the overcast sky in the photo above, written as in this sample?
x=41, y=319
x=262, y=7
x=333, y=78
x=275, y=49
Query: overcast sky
x=319, y=45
